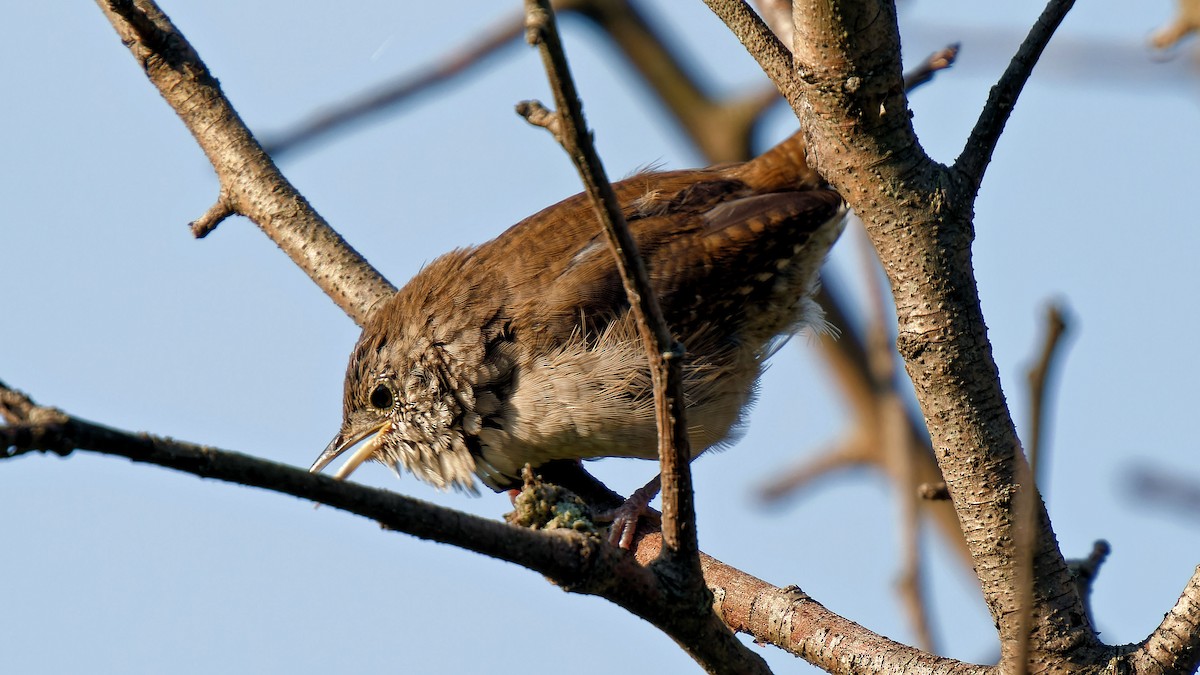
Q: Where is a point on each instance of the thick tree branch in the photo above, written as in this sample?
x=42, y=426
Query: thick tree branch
x=792, y=620
x=856, y=120
x=977, y=153
x=578, y=563
x=251, y=185
x=1174, y=647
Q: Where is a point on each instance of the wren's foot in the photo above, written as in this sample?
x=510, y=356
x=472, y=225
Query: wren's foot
x=625, y=517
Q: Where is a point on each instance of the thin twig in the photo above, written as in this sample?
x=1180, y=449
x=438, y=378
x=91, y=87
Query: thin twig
x=664, y=352
x=852, y=450
x=1165, y=488
x=774, y=57
x=977, y=153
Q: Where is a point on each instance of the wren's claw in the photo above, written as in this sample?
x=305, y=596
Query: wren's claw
x=625, y=517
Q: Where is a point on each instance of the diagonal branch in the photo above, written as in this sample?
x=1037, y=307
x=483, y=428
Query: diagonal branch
x=251, y=185
x=756, y=36
x=977, y=153
x=663, y=351
x=580, y=564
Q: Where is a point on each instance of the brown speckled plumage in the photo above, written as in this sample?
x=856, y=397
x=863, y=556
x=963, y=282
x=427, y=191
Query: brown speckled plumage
x=522, y=350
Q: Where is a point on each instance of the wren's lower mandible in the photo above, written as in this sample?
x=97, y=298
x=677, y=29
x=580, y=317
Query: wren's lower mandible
x=523, y=350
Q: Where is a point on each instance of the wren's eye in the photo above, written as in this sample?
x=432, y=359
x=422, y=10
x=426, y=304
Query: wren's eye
x=381, y=397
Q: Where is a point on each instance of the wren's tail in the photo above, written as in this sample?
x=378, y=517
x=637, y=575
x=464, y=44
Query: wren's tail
x=782, y=168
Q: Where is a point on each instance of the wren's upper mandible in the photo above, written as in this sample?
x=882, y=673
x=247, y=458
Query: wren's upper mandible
x=523, y=350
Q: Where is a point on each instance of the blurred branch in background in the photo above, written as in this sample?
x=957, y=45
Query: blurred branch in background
x=1185, y=22
x=1165, y=489
x=1039, y=378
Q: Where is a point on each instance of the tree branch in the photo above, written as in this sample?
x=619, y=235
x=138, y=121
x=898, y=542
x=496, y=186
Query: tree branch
x=977, y=153
x=918, y=215
x=663, y=351
x=251, y=185
x=1174, y=647
x=577, y=563
x=773, y=56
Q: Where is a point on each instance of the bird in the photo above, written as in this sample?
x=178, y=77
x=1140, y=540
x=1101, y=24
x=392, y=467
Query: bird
x=523, y=350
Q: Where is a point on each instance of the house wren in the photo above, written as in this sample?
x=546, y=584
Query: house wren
x=523, y=350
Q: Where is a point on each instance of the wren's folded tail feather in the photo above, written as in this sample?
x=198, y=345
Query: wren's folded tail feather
x=783, y=167
x=523, y=350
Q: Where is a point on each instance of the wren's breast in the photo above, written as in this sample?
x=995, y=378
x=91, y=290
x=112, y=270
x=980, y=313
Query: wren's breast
x=594, y=398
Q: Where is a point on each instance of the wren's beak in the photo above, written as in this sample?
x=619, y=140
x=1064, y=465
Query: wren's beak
x=341, y=444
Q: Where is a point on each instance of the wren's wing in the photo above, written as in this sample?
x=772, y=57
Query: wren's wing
x=749, y=262
x=715, y=251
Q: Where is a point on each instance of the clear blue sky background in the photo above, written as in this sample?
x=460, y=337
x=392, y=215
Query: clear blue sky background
x=113, y=312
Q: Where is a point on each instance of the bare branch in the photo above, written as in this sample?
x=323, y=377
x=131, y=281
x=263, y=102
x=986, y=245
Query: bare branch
x=774, y=57
x=251, y=185
x=977, y=153
x=679, y=560
x=1183, y=24
x=792, y=620
x=1026, y=501
x=860, y=137
x=1174, y=647
x=578, y=563
x=850, y=451
x=664, y=353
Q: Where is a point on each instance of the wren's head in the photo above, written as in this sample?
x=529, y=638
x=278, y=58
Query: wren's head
x=407, y=398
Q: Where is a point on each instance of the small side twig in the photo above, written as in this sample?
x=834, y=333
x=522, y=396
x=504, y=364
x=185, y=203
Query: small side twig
x=218, y=212
x=933, y=491
x=1086, y=570
x=932, y=65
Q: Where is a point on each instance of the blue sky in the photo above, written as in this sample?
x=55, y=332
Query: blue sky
x=114, y=313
